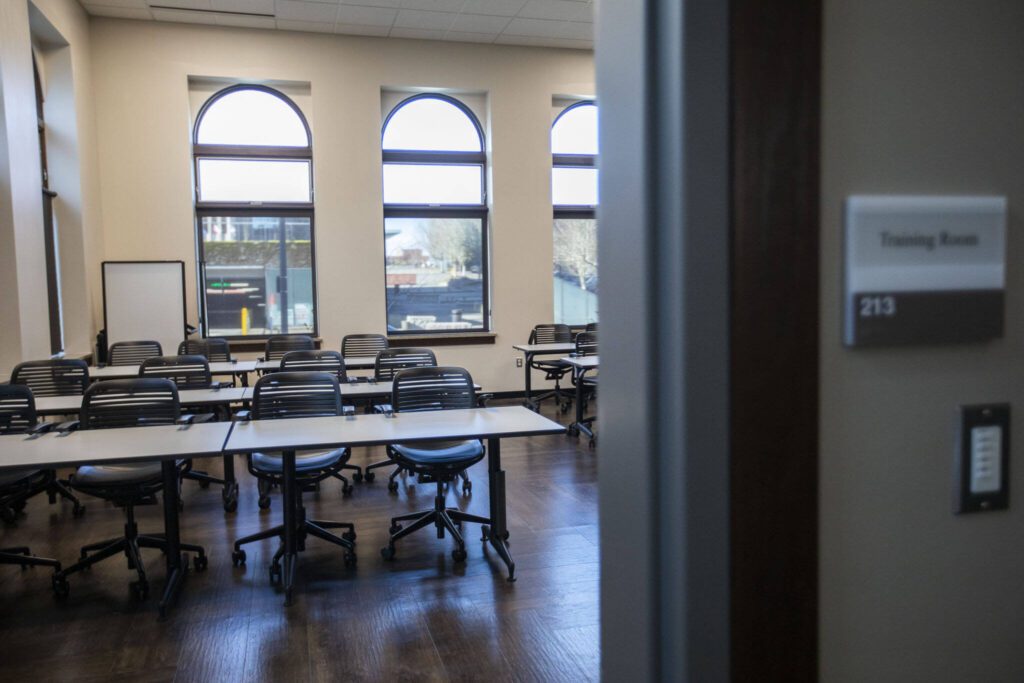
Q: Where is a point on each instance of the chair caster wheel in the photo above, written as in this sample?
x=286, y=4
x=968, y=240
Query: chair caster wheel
x=19, y=506
x=459, y=554
x=393, y=486
x=505, y=535
x=140, y=590
x=349, y=536
x=238, y=558
x=350, y=560
x=467, y=488
x=275, y=573
x=230, y=505
x=61, y=587
x=395, y=528
x=388, y=552
x=203, y=484
x=357, y=477
x=264, y=502
x=370, y=476
x=592, y=443
x=200, y=563
x=346, y=489
x=485, y=533
x=8, y=515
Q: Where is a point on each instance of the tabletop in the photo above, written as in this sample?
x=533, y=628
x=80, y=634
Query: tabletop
x=353, y=363
x=582, y=362
x=65, y=405
x=367, y=430
x=105, y=446
x=125, y=371
x=560, y=347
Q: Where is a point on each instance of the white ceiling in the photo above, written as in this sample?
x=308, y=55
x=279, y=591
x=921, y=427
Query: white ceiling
x=545, y=23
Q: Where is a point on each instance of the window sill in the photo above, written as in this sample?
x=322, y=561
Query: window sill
x=258, y=344
x=442, y=339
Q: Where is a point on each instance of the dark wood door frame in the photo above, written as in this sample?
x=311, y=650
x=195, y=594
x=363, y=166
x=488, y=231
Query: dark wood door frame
x=708, y=241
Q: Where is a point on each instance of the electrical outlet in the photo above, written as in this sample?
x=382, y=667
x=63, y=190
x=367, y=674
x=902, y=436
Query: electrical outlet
x=519, y=362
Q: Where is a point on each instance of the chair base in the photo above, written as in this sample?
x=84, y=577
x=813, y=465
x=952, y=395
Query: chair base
x=443, y=518
x=22, y=556
x=130, y=545
x=60, y=488
x=467, y=484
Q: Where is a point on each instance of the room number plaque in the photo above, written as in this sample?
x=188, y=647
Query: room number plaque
x=924, y=270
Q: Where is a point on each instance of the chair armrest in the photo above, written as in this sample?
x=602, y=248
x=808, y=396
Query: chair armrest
x=243, y=416
x=67, y=427
x=194, y=418
x=483, y=399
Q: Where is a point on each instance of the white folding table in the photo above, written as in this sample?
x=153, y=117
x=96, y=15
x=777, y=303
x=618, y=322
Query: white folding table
x=165, y=443
x=237, y=368
x=353, y=363
x=289, y=435
x=581, y=365
x=67, y=405
x=531, y=350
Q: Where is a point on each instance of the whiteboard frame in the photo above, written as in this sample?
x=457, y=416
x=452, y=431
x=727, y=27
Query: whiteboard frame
x=184, y=300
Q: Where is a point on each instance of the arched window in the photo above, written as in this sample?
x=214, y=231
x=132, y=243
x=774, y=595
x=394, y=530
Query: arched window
x=435, y=216
x=254, y=206
x=574, y=199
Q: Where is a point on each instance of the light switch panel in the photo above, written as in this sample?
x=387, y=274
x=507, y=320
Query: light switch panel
x=982, y=463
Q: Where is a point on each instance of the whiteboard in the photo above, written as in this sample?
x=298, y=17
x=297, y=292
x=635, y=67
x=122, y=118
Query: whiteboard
x=145, y=300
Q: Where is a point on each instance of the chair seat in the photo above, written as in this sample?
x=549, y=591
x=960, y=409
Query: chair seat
x=440, y=452
x=104, y=475
x=16, y=476
x=304, y=462
x=550, y=365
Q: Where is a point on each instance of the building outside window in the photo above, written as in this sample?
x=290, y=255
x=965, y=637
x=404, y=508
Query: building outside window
x=435, y=217
x=574, y=199
x=254, y=209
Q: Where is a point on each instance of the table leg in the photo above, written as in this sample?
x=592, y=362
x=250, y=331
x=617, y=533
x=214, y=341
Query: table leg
x=244, y=376
x=499, y=530
x=230, y=493
x=574, y=428
x=527, y=401
x=177, y=564
x=289, y=513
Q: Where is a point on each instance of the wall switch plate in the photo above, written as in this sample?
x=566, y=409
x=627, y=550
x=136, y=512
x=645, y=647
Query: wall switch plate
x=519, y=362
x=982, y=459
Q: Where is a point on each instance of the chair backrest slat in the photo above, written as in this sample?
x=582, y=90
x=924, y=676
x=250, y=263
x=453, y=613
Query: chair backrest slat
x=436, y=388
x=130, y=403
x=281, y=344
x=17, y=409
x=553, y=333
x=314, y=361
x=214, y=349
x=390, y=361
x=363, y=345
x=133, y=352
x=296, y=394
x=56, y=377
x=586, y=344
x=187, y=372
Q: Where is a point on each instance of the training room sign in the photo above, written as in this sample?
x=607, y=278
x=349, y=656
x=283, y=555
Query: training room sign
x=924, y=270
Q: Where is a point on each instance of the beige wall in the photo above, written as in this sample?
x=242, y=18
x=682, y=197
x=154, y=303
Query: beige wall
x=141, y=75
x=60, y=31
x=924, y=97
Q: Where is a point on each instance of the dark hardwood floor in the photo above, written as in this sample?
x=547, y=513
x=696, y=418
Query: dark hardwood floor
x=419, y=617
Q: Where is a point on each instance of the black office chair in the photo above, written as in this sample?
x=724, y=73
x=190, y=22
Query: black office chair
x=140, y=402
x=437, y=388
x=298, y=394
x=323, y=361
x=214, y=349
x=363, y=345
x=553, y=369
x=190, y=372
x=591, y=327
x=586, y=345
x=133, y=352
x=281, y=344
x=55, y=377
x=389, y=362
x=18, y=416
